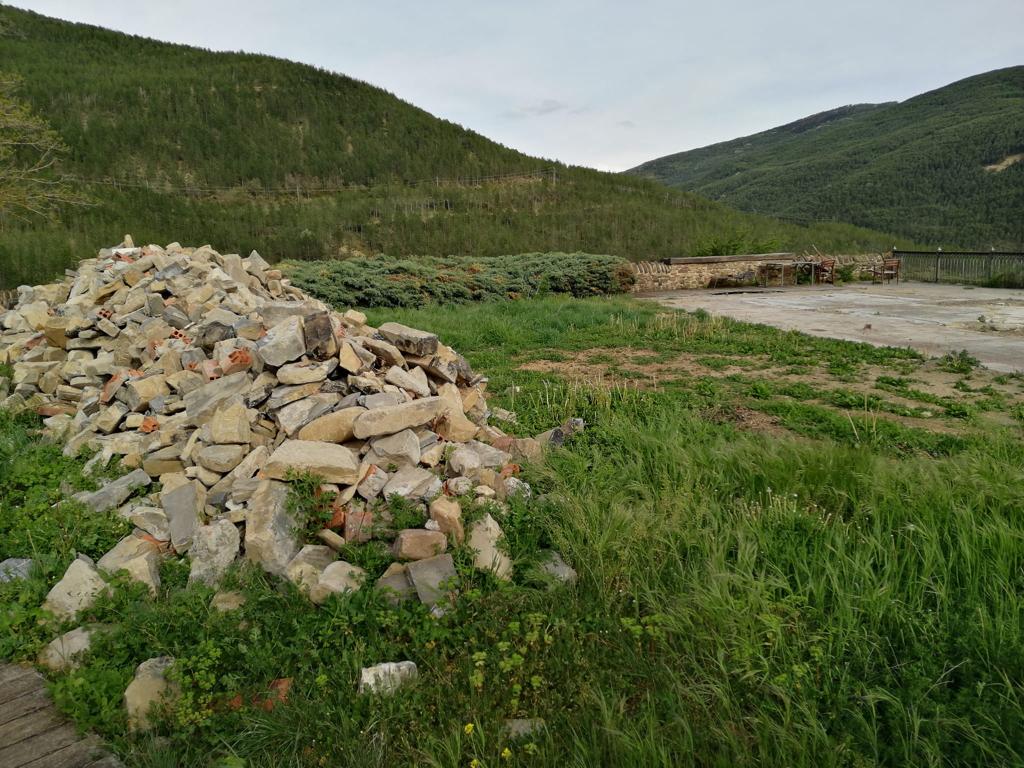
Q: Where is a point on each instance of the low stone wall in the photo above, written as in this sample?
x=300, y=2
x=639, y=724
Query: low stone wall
x=701, y=271
x=698, y=272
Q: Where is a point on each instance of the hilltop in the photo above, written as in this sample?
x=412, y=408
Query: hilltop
x=171, y=141
x=938, y=168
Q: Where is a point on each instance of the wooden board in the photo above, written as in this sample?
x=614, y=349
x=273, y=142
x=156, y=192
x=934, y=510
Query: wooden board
x=33, y=734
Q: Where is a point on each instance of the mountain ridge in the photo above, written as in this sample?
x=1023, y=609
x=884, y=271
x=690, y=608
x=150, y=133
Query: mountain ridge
x=916, y=167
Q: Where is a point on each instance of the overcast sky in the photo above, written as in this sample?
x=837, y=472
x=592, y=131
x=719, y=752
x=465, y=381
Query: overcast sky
x=604, y=84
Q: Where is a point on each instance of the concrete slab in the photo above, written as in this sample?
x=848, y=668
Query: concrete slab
x=933, y=319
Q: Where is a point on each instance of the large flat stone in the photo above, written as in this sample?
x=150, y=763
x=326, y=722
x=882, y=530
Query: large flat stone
x=334, y=427
x=388, y=421
x=411, y=340
x=76, y=591
x=214, y=549
x=202, y=403
x=432, y=578
x=333, y=463
x=183, y=505
x=270, y=530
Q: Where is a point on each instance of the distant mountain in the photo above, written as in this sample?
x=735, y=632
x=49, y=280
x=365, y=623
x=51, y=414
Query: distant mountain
x=247, y=151
x=945, y=168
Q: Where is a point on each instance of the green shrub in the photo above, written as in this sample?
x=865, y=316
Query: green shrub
x=387, y=281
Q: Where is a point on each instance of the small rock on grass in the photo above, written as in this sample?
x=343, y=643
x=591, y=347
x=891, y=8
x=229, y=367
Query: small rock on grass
x=14, y=568
x=149, y=688
x=386, y=678
x=62, y=653
x=483, y=538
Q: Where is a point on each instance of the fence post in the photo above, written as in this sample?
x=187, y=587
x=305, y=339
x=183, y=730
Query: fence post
x=938, y=258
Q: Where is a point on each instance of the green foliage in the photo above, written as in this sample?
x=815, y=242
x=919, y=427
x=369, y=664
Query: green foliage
x=406, y=282
x=308, y=504
x=843, y=596
x=959, y=362
x=37, y=519
x=916, y=167
x=251, y=152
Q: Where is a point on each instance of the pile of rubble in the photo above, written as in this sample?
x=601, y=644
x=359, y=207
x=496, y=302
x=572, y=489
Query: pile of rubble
x=211, y=375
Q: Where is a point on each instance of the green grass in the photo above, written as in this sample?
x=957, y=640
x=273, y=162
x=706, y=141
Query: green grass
x=746, y=598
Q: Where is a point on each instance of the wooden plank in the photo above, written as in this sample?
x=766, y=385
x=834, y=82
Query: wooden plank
x=29, y=750
x=28, y=725
x=77, y=755
x=12, y=672
x=21, y=706
x=20, y=687
x=109, y=761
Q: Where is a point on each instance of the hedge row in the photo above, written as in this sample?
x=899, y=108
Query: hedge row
x=387, y=281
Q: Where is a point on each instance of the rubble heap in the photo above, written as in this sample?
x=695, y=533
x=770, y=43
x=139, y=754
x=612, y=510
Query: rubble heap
x=212, y=376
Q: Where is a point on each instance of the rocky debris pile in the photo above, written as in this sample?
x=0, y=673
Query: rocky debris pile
x=212, y=376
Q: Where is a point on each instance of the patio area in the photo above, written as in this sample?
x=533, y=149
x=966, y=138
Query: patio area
x=931, y=318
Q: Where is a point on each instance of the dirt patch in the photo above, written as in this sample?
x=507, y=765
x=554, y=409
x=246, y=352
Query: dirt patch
x=642, y=367
x=1005, y=163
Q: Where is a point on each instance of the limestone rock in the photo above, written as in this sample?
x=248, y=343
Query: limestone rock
x=334, y=427
x=400, y=449
x=388, y=421
x=230, y=424
x=270, y=529
x=283, y=343
x=412, y=483
x=221, y=458
x=333, y=463
x=309, y=563
x=554, y=566
x=306, y=373
x=484, y=535
x=144, y=390
x=139, y=558
x=14, y=568
x=214, y=549
x=419, y=544
x=432, y=578
x=408, y=339
x=63, y=653
x=150, y=688
x=338, y=577
x=227, y=601
x=202, y=403
x=183, y=505
x=114, y=493
x=414, y=381
x=395, y=584
x=447, y=513
x=76, y=591
x=386, y=678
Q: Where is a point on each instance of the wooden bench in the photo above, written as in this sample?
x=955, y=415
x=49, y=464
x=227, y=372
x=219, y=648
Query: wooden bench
x=889, y=270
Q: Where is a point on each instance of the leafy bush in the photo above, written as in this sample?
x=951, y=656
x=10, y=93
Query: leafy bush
x=387, y=281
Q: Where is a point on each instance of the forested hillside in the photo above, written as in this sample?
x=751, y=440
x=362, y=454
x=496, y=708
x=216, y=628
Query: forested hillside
x=245, y=151
x=938, y=167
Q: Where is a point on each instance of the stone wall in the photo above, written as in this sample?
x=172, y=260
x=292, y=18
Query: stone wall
x=698, y=272
x=701, y=272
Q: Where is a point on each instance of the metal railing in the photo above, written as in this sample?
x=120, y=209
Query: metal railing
x=998, y=269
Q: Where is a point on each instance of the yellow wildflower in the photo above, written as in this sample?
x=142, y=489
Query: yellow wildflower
x=506, y=753
x=468, y=728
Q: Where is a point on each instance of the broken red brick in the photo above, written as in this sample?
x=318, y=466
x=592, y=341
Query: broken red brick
x=211, y=370
x=239, y=360
x=149, y=425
